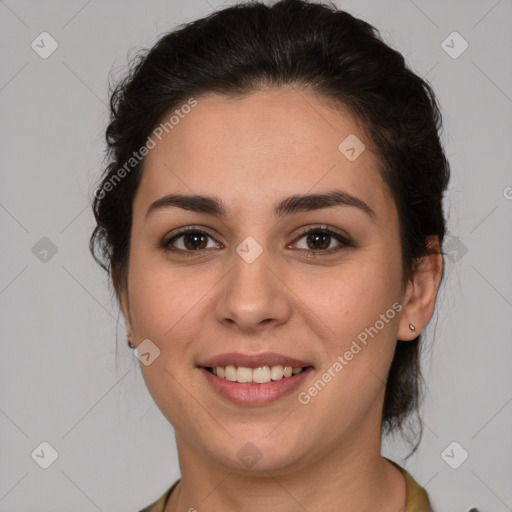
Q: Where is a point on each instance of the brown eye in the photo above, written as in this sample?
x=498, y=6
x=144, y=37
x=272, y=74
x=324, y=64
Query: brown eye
x=189, y=241
x=194, y=241
x=318, y=241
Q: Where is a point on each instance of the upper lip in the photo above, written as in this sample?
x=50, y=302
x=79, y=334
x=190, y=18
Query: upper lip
x=252, y=360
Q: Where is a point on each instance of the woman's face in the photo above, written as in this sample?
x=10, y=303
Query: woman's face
x=247, y=293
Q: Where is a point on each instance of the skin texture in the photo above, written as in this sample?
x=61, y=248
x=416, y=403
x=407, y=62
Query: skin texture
x=252, y=152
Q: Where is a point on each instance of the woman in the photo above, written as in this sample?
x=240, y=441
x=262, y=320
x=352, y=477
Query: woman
x=271, y=218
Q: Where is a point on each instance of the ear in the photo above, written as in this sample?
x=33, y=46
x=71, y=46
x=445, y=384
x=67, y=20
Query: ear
x=421, y=291
x=121, y=290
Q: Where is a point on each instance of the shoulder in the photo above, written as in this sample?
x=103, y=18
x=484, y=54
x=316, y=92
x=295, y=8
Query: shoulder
x=417, y=497
x=159, y=504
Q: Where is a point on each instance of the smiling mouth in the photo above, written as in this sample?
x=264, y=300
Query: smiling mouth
x=259, y=375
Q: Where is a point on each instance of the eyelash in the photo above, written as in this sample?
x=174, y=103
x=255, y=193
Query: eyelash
x=346, y=242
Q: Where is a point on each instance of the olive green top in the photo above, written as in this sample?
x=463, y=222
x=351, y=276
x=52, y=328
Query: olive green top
x=417, y=498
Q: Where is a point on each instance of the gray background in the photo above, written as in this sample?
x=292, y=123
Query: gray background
x=59, y=380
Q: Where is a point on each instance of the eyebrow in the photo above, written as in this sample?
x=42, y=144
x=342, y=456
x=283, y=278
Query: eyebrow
x=290, y=205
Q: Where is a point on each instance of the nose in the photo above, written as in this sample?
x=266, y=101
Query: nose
x=254, y=295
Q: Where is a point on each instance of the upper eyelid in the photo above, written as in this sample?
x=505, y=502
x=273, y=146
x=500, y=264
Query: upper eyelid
x=322, y=227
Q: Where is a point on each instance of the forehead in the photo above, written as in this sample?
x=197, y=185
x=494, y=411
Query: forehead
x=263, y=145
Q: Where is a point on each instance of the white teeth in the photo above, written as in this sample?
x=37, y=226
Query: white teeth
x=276, y=372
x=260, y=375
x=230, y=373
x=243, y=374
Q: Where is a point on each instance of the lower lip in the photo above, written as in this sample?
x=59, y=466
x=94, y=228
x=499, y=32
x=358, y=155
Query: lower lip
x=255, y=394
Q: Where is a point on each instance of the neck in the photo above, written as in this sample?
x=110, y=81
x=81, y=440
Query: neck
x=342, y=480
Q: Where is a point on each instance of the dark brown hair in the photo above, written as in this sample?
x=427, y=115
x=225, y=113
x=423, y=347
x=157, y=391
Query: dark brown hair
x=311, y=46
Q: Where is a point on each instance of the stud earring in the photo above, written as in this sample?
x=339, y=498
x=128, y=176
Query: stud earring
x=129, y=342
x=412, y=327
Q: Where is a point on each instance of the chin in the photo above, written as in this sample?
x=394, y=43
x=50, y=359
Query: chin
x=259, y=454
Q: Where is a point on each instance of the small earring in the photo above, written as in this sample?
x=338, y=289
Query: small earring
x=412, y=327
x=129, y=342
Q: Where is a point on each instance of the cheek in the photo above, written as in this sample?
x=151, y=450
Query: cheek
x=165, y=304
x=353, y=295
x=160, y=296
x=354, y=312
